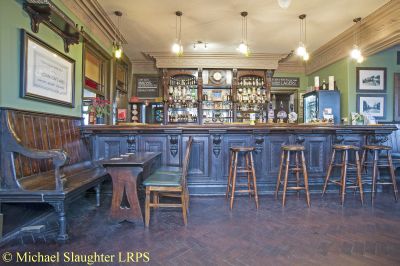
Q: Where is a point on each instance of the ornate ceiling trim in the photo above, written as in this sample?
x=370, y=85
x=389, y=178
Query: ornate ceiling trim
x=95, y=19
x=292, y=67
x=144, y=67
x=216, y=60
x=379, y=30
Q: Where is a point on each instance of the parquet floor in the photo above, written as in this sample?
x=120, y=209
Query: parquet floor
x=325, y=234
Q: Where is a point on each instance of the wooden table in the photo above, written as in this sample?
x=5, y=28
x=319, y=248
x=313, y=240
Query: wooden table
x=124, y=171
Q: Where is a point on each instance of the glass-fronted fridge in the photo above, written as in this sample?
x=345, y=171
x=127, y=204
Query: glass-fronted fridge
x=322, y=105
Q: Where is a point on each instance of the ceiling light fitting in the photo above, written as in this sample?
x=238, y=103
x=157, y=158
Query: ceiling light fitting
x=117, y=44
x=198, y=43
x=177, y=47
x=301, y=50
x=284, y=3
x=243, y=46
x=356, y=51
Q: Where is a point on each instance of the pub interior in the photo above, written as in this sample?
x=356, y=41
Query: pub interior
x=260, y=132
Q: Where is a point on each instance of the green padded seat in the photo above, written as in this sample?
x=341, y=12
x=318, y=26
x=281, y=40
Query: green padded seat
x=169, y=170
x=164, y=180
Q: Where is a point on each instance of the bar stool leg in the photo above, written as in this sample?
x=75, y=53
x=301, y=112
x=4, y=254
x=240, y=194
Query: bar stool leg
x=374, y=176
x=278, y=182
x=228, y=187
x=297, y=171
x=248, y=168
x=359, y=181
x=285, y=182
x=303, y=162
x=345, y=161
x=392, y=174
x=234, y=178
x=328, y=174
x=254, y=179
x=363, y=159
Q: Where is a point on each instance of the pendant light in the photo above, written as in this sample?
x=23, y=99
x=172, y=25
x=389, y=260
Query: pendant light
x=243, y=46
x=177, y=47
x=284, y=3
x=301, y=49
x=356, y=52
x=117, y=44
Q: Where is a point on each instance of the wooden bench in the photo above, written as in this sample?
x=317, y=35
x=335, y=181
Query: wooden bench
x=44, y=159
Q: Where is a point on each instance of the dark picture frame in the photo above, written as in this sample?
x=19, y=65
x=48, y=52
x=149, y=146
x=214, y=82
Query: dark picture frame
x=375, y=102
x=47, y=75
x=371, y=79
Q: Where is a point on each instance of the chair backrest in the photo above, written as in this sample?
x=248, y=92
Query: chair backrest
x=394, y=140
x=44, y=132
x=185, y=167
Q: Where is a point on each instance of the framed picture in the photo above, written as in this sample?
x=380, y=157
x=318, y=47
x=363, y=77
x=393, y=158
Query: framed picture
x=46, y=74
x=373, y=104
x=371, y=79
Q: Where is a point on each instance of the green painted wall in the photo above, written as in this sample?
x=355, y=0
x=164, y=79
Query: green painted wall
x=302, y=76
x=340, y=71
x=345, y=76
x=12, y=19
x=385, y=59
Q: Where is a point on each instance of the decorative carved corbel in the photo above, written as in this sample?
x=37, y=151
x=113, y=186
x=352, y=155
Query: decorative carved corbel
x=259, y=140
x=173, y=145
x=131, y=143
x=377, y=139
x=217, y=140
x=299, y=140
x=339, y=139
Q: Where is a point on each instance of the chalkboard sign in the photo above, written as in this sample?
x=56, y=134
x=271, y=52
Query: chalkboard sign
x=286, y=82
x=147, y=87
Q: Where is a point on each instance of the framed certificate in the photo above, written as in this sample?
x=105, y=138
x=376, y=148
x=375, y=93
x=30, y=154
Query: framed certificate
x=46, y=74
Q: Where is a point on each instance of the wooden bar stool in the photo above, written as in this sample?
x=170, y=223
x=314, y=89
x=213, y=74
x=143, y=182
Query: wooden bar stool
x=376, y=164
x=345, y=166
x=247, y=169
x=285, y=156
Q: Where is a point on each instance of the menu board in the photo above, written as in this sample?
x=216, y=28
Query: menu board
x=147, y=87
x=286, y=82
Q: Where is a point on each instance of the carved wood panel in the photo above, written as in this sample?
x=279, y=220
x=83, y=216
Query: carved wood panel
x=199, y=157
x=317, y=147
x=273, y=155
x=228, y=142
x=108, y=147
x=154, y=143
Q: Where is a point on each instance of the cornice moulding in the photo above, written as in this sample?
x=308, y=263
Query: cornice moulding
x=216, y=60
x=379, y=30
x=95, y=18
x=143, y=67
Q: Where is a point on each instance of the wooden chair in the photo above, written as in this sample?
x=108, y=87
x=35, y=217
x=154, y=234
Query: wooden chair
x=170, y=183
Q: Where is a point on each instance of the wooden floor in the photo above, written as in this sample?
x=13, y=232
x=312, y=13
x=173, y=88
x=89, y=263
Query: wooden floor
x=325, y=234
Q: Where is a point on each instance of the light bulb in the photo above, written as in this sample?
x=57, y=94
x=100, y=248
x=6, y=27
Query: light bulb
x=301, y=50
x=243, y=48
x=176, y=48
x=355, y=53
x=360, y=59
x=306, y=56
x=118, y=52
x=284, y=3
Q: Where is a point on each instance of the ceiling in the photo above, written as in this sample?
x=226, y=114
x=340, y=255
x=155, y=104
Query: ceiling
x=149, y=25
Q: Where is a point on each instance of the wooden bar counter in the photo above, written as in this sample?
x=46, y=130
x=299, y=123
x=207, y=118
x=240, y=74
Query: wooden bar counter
x=208, y=169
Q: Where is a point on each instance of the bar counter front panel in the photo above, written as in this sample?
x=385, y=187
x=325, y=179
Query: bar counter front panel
x=209, y=159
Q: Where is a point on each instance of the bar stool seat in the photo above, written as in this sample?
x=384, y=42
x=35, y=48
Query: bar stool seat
x=285, y=156
x=377, y=147
x=234, y=169
x=377, y=163
x=292, y=148
x=345, y=166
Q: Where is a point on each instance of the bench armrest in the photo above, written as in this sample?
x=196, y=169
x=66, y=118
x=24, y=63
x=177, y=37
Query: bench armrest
x=59, y=158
